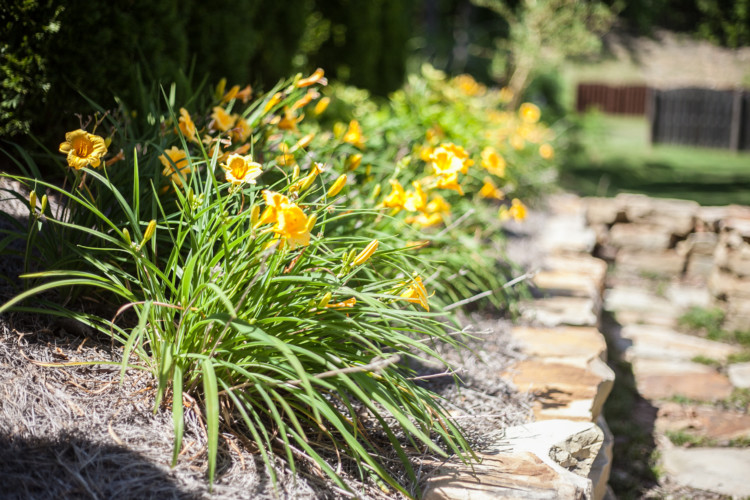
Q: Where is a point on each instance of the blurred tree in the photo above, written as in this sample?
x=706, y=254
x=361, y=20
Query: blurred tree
x=542, y=34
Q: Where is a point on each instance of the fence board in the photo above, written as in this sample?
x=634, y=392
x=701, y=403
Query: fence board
x=624, y=99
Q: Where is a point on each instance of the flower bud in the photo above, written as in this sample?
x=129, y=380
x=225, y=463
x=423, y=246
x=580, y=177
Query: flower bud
x=311, y=222
x=44, y=203
x=321, y=105
x=365, y=254
x=254, y=214
x=353, y=161
x=325, y=300
x=126, y=236
x=150, y=230
x=32, y=201
x=337, y=186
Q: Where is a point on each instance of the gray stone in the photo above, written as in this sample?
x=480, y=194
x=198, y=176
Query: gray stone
x=720, y=470
x=628, y=298
x=739, y=375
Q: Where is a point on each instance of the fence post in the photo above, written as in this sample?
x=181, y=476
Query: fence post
x=651, y=112
x=734, y=130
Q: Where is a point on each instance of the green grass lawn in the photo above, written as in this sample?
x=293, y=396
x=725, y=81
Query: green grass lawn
x=615, y=155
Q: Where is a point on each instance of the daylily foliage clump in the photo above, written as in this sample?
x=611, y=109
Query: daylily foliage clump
x=278, y=262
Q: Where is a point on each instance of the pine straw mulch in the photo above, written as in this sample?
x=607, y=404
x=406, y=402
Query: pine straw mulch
x=75, y=431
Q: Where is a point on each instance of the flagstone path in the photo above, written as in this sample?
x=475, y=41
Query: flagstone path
x=687, y=400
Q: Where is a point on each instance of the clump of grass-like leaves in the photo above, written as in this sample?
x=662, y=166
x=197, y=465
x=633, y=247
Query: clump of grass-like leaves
x=263, y=303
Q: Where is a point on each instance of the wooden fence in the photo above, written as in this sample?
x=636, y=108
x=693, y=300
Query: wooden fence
x=690, y=116
x=700, y=117
x=624, y=99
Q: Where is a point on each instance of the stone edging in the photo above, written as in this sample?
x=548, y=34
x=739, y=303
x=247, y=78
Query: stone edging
x=567, y=452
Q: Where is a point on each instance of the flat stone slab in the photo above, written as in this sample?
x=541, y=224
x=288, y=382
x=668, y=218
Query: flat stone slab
x=567, y=283
x=556, y=311
x=571, y=345
x=563, y=390
x=602, y=210
x=540, y=460
x=587, y=265
x=637, y=305
x=739, y=375
x=686, y=296
x=664, y=379
x=658, y=262
x=658, y=342
x=679, y=215
x=702, y=421
x=720, y=470
x=567, y=233
x=646, y=237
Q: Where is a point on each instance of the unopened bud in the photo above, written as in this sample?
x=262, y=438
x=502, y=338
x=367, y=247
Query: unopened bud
x=337, y=186
x=150, y=230
x=126, y=236
x=365, y=254
x=32, y=201
x=323, y=302
x=44, y=203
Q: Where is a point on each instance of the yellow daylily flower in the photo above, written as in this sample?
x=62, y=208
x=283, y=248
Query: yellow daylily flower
x=529, y=112
x=353, y=135
x=176, y=164
x=289, y=120
x=303, y=142
x=221, y=120
x=321, y=106
x=450, y=181
x=353, y=161
x=292, y=225
x=83, y=149
x=241, y=130
x=187, y=126
x=416, y=293
x=397, y=198
x=273, y=101
x=517, y=211
x=493, y=162
x=305, y=99
x=274, y=202
x=241, y=169
x=316, y=77
x=490, y=190
x=286, y=160
x=231, y=94
x=469, y=86
x=445, y=162
x=415, y=201
x=348, y=303
x=546, y=151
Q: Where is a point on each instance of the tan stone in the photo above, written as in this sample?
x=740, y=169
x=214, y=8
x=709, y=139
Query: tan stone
x=739, y=375
x=587, y=265
x=708, y=218
x=602, y=210
x=664, y=379
x=566, y=204
x=571, y=345
x=600, y=469
x=724, y=285
x=699, y=267
x=702, y=421
x=678, y=215
x=556, y=311
x=663, y=263
x=567, y=283
x=648, y=237
x=656, y=342
x=563, y=390
x=503, y=475
x=567, y=234
x=737, y=223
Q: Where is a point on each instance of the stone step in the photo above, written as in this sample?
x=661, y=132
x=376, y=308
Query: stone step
x=664, y=379
x=563, y=390
x=567, y=345
x=550, y=459
x=556, y=311
x=659, y=342
x=703, y=422
x=720, y=470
